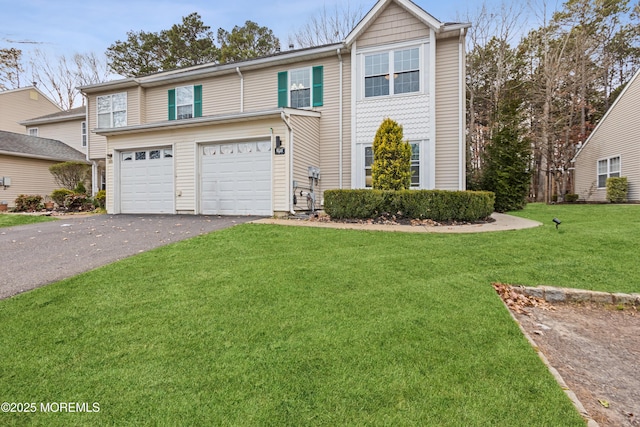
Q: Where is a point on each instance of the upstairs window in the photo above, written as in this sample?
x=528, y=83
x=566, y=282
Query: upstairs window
x=112, y=110
x=185, y=102
x=301, y=88
x=392, y=73
x=608, y=168
x=33, y=131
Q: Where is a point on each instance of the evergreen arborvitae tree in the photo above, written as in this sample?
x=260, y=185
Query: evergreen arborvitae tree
x=391, y=168
x=506, y=170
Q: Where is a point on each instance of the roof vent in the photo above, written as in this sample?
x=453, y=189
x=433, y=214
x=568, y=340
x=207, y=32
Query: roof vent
x=291, y=46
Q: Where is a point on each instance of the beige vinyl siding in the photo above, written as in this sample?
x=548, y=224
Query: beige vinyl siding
x=306, y=152
x=69, y=132
x=185, y=145
x=23, y=104
x=617, y=135
x=220, y=95
x=28, y=176
x=393, y=25
x=447, y=114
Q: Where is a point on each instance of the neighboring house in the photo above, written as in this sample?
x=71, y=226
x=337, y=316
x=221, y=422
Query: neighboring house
x=69, y=127
x=612, y=149
x=25, y=160
x=240, y=138
x=21, y=104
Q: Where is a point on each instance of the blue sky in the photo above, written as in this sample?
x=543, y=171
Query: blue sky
x=72, y=26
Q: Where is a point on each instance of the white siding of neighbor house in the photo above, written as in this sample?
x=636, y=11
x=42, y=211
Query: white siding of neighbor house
x=393, y=25
x=448, y=120
x=69, y=132
x=618, y=134
x=23, y=104
x=185, y=145
x=28, y=176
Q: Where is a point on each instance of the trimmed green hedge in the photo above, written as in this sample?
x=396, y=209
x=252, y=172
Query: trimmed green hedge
x=438, y=205
x=617, y=189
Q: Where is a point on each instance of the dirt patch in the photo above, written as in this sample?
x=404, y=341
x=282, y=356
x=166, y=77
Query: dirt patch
x=594, y=347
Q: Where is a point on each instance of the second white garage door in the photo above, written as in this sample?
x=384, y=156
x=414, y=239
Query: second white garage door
x=236, y=179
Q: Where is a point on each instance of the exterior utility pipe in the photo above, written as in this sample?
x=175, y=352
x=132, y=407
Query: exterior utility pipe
x=340, y=135
x=241, y=89
x=285, y=119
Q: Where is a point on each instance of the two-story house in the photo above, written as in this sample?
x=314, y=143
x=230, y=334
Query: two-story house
x=68, y=126
x=240, y=138
x=22, y=104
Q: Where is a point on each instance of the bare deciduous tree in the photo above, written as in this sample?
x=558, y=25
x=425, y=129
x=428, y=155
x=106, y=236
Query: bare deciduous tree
x=329, y=26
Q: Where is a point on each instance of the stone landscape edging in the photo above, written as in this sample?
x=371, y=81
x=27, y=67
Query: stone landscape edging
x=552, y=294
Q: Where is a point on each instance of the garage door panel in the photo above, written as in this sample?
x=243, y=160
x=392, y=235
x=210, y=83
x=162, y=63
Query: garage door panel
x=146, y=182
x=236, y=179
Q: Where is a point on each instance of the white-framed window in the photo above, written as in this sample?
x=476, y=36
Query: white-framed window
x=393, y=72
x=33, y=131
x=415, y=165
x=83, y=133
x=112, y=110
x=184, y=102
x=300, y=88
x=608, y=168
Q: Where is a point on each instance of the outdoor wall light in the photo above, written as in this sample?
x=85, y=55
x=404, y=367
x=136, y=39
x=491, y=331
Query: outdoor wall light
x=557, y=222
x=278, y=142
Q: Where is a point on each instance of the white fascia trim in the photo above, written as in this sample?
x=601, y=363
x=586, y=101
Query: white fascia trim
x=39, y=157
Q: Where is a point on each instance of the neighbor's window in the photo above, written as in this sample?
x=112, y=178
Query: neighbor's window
x=400, y=66
x=112, y=110
x=184, y=102
x=301, y=88
x=608, y=168
x=33, y=131
x=83, y=131
x=368, y=161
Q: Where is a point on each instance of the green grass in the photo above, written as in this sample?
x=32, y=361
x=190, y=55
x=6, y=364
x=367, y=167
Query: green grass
x=11, y=220
x=269, y=325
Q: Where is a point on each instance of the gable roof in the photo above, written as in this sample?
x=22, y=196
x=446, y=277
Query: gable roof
x=410, y=7
x=62, y=116
x=613, y=106
x=16, y=144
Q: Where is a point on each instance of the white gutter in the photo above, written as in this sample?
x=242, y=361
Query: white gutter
x=285, y=119
x=241, y=89
x=340, y=134
x=461, y=114
x=433, y=77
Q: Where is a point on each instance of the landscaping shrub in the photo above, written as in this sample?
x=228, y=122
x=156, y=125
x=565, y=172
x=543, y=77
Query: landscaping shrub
x=78, y=203
x=571, y=198
x=391, y=168
x=70, y=174
x=437, y=205
x=617, y=188
x=59, y=195
x=29, y=203
x=80, y=188
x=101, y=199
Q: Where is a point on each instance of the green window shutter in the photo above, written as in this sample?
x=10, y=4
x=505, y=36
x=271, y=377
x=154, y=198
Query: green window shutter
x=172, y=104
x=317, y=86
x=197, y=101
x=283, y=93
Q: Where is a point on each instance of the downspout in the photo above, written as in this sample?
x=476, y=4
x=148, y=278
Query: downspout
x=340, y=135
x=290, y=184
x=241, y=89
x=462, y=119
x=94, y=166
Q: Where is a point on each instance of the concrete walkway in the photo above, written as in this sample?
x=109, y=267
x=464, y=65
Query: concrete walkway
x=37, y=254
x=502, y=222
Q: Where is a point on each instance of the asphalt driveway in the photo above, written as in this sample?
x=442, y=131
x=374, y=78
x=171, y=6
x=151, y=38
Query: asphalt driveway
x=37, y=254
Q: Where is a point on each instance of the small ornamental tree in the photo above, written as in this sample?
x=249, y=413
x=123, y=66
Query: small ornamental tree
x=391, y=168
x=70, y=174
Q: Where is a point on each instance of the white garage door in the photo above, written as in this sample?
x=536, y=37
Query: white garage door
x=146, y=181
x=236, y=179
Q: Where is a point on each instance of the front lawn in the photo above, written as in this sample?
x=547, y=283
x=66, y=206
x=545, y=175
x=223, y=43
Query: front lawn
x=11, y=220
x=275, y=325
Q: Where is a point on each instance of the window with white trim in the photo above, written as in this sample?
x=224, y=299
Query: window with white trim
x=112, y=110
x=401, y=66
x=415, y=165
x=184, y=102
x=83, y=133
x=301, y=88
x=33, y=131
x=608, y=168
